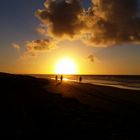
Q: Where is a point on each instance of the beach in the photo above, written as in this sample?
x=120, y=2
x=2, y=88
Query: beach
x=41, y=107
x=97, y=96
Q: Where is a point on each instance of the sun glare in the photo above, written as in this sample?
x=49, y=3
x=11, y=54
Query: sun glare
x=65, y=66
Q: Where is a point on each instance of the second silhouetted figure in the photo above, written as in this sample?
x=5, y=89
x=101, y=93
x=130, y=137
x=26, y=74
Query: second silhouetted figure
x=61, y=78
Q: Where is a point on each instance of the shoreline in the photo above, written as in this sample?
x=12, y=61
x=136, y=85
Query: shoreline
x=98, y=82
x=118, y=86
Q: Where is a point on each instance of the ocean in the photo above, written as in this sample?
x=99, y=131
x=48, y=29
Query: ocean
x=121, y=81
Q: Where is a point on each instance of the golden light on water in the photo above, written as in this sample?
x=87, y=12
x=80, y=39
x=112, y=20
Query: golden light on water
x=65, y=66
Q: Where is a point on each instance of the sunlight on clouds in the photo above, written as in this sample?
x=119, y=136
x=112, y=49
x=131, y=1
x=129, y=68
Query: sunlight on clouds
x=38, y=46
x=105, y=28
x=16, y=46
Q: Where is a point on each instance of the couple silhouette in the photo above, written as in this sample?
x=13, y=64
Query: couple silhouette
x=61, y=78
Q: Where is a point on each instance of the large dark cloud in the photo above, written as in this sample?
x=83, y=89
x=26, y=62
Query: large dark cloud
x=107, y=22
x=115, y=21
x=62, y=17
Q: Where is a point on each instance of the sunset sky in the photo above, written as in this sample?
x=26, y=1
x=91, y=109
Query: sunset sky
x=102, y=39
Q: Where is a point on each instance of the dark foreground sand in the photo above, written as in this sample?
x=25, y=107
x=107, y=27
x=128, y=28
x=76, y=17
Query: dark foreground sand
x=41, y=108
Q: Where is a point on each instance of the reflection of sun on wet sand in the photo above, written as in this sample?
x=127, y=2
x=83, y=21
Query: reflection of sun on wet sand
x=65, y=79
x=33, y=106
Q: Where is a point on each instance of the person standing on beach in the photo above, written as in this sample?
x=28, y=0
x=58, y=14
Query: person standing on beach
x=80, y=79
x=61, y=78
x=56, y=78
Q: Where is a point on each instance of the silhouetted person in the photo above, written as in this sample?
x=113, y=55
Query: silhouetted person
x=61, y=78
x=80, y=79
x=56, y=78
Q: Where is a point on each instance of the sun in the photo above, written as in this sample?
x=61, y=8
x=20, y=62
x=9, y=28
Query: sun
x=65, y=66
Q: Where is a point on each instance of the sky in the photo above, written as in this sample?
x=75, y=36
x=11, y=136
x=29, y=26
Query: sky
x=100, y=39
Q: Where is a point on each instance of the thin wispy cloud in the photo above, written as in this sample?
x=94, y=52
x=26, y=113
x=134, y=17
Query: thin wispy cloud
x=42, y=30
x=16, y=46
x=91, y=58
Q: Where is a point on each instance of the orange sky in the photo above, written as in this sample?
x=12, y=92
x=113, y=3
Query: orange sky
x=27, y=45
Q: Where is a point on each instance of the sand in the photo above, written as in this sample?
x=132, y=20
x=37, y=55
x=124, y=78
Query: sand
x=45, y=108
x=98, y=97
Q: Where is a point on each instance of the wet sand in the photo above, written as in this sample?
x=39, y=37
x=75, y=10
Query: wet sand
x=45, y=108
x=98, y=96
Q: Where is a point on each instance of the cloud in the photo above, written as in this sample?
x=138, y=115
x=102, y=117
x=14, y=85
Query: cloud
x=114, y=22
x=16, y=46
x=37, y=46
x=105, y=23
x=42, y=29
x=62, y=17
x=91, y=57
